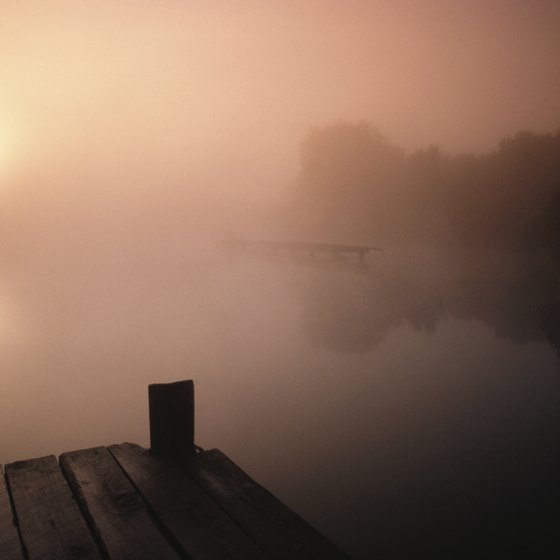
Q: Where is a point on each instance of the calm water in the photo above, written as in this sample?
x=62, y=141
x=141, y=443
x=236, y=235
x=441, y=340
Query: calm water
x=411, y=408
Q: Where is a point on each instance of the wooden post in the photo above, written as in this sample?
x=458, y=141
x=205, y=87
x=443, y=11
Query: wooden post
x=172, y=419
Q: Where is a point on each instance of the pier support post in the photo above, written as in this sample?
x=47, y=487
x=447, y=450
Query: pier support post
x=172, y=418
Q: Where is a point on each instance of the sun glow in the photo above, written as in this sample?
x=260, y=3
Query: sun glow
x=7, y=148
x=4, y=149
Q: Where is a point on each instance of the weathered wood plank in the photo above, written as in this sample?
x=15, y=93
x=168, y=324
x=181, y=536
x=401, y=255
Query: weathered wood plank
x=117, y=514
x=172, y=418
x=49, y=519
x=10, y=545
x=276, y=528
x=199, y=526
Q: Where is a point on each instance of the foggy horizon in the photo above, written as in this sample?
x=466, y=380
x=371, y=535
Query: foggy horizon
x=174, y=87
x=403, y=401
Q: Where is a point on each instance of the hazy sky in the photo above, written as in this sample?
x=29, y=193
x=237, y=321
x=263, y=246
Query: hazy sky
x=217, y=95
x=125, y=122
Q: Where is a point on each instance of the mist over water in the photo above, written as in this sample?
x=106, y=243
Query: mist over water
x=390, y=406
x=407, y=407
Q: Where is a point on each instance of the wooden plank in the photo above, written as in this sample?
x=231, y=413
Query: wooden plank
x=10, y=545
x=49, y=519
x=198, y=525
x=172, y=418
x=117, y=513
x=276, y=528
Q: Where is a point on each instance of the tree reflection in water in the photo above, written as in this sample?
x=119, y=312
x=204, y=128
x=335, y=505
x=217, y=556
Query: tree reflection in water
x=514, y=294
x=468, y=465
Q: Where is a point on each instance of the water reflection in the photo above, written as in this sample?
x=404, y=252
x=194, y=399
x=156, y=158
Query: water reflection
x=469, y=467
x=515, y=295
x=410, y=410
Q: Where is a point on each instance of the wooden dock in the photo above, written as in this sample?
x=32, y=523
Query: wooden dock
x=173, y=501
x=295, y=249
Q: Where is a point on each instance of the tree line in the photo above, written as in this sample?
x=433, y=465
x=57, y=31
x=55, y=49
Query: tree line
x=355, y=184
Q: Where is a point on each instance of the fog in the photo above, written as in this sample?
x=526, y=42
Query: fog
x=421, y=385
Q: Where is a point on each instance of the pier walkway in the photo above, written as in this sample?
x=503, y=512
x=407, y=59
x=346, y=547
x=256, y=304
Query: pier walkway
x=173, y=501
x=296, y=248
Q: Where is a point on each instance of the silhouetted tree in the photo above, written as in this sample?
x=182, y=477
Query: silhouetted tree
x=355, y=184
x=348, y=176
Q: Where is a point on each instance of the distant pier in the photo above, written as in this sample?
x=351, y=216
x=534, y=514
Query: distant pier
x=296, y=249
